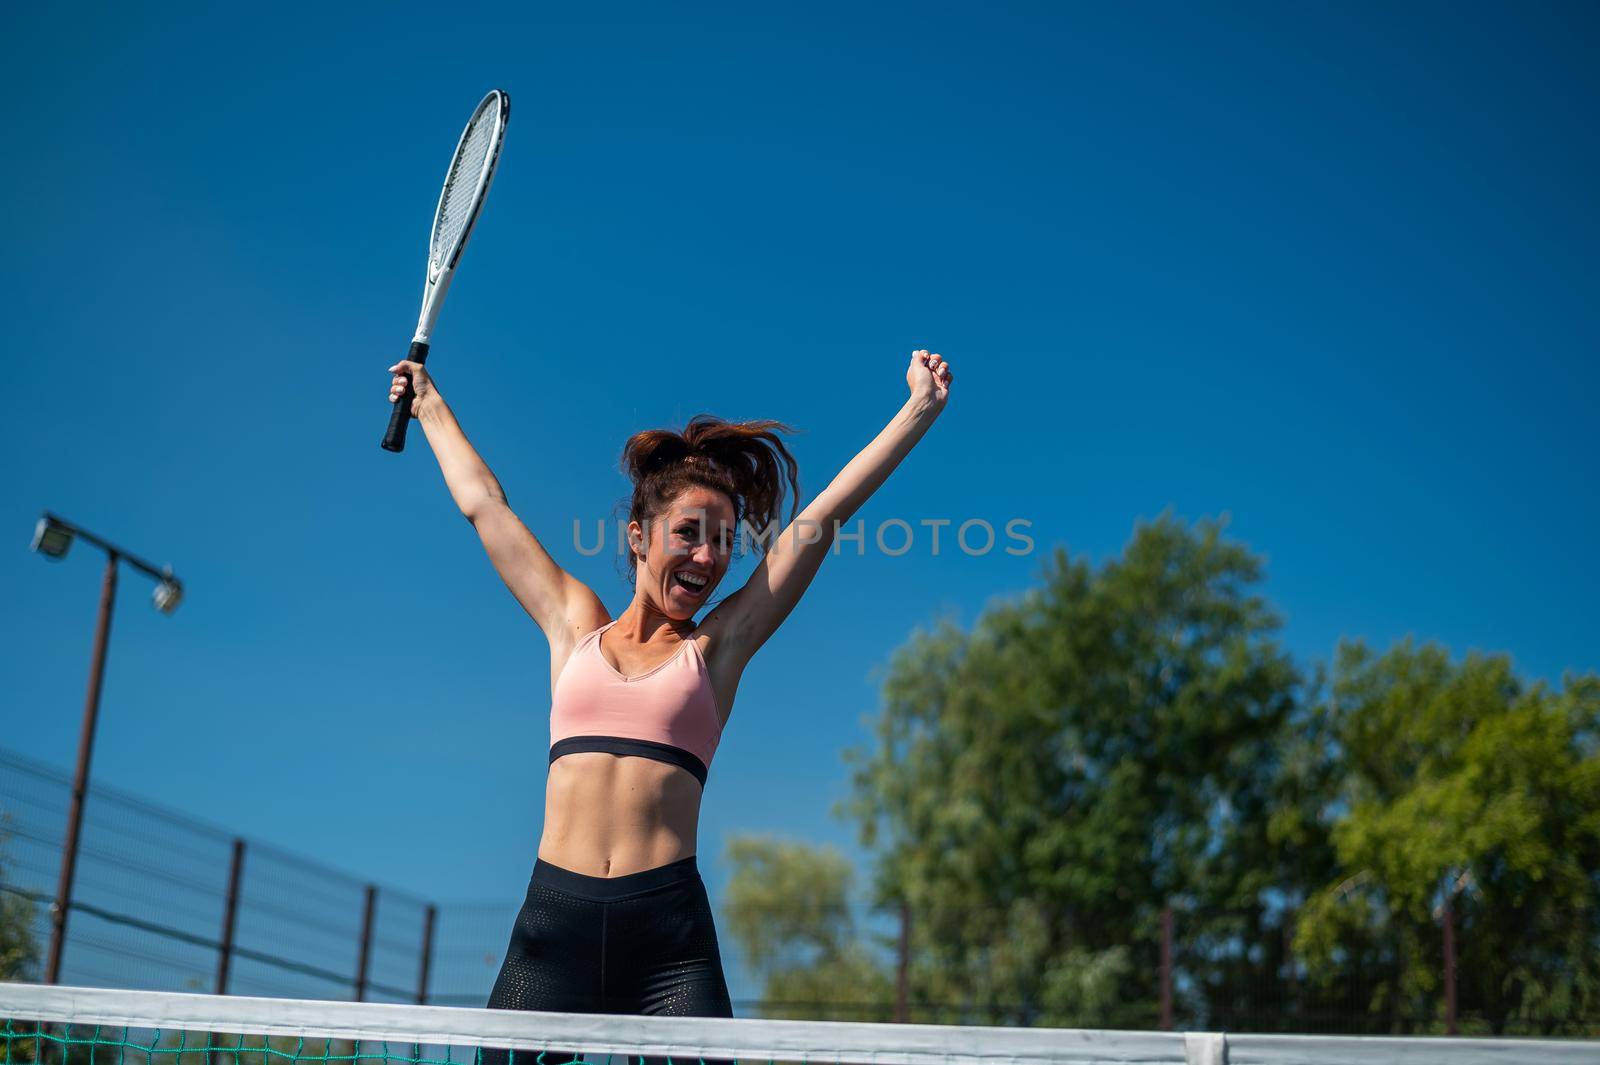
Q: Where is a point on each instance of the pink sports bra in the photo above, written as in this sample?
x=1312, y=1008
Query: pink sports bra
x=668, y=713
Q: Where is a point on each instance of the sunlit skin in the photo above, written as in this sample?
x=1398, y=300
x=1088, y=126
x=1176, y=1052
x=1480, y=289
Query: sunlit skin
x=609, y=815
x=635, y=812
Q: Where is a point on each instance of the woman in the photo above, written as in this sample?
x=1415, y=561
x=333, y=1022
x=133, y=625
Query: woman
x=616, y=918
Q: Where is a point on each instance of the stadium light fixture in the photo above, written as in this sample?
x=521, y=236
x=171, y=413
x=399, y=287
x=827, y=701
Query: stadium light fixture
x=168, y=593
x=52, y=537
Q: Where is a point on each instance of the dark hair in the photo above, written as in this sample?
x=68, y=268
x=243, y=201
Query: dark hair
x=746, y=461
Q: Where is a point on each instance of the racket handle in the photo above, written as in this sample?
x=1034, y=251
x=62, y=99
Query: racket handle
x=395, y=438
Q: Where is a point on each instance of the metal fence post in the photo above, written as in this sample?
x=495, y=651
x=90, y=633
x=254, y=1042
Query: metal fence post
x=427, y=953
x=902, y=980
x=366, y=943
x=1166, y=968
x=1449, y=968
x=1288, y=959
x=230, y=911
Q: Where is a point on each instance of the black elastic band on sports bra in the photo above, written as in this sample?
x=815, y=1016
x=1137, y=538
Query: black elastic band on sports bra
x=660, y=752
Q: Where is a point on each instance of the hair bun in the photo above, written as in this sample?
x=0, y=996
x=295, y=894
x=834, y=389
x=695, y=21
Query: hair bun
x=654, y=450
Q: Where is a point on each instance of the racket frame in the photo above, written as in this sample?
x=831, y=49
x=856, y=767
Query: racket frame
x=441, y=268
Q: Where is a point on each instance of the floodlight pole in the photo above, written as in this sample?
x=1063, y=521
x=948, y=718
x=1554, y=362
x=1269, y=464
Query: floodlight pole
x=80, y=776
x=169, y=592
x=902, y=981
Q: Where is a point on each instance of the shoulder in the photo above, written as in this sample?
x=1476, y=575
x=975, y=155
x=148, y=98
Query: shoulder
x=565, y=641
x=574, y=630
x=720, y=633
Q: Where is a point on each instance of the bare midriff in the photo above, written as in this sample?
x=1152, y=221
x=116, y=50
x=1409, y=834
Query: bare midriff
x=610, y=815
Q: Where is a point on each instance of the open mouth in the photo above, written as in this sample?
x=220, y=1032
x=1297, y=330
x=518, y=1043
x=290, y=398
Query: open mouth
x=692, y=583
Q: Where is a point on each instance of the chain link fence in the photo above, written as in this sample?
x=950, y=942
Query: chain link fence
x=152, y=895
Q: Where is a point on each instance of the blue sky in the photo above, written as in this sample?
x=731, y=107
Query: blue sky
x=1326, y=269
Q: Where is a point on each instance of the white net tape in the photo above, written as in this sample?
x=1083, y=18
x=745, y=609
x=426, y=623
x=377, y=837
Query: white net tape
x=159, y=1028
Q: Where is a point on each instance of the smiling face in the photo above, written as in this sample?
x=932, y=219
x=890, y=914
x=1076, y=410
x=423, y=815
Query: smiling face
x=686, y=554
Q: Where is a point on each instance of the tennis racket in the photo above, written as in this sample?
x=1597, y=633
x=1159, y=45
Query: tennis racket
x=466, y=186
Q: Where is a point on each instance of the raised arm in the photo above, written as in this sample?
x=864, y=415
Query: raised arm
x=751, y=615
x=562, y=605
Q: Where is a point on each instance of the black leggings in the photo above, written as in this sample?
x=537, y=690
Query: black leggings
x=640, y=943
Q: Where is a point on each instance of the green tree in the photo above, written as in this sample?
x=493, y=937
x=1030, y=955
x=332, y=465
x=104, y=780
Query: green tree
x=19, y=954
x=788, y=907
x=1459, y=782
x=19, y=949
x=1038, y=789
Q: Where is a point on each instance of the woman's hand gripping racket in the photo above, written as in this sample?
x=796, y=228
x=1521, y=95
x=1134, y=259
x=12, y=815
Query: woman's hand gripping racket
x=466, y=185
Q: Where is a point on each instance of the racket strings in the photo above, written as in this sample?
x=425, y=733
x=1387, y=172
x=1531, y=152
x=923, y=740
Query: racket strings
x=463, y=185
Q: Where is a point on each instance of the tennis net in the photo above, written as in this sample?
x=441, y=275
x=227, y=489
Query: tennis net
x=93, y=1026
